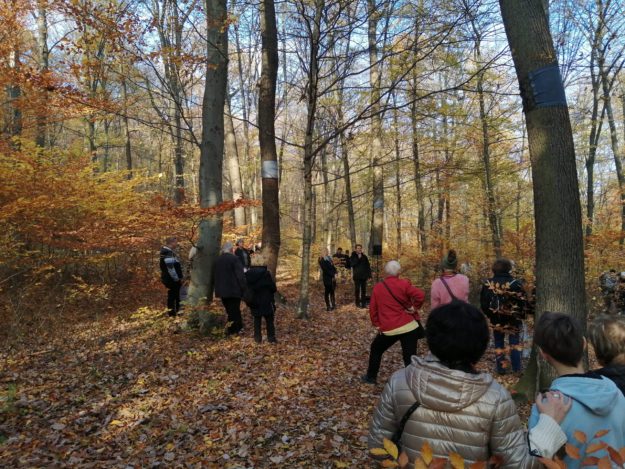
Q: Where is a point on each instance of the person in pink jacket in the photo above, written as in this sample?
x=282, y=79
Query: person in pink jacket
x=450, y=285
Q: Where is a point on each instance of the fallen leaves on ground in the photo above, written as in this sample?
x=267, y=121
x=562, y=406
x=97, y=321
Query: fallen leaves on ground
x=138, y=390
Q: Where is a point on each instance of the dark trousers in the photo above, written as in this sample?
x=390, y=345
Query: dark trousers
x=329, y=295
x=233, y=311
x=173, y=298
x=271, y=329
x=500, y=351
x=382, y=343
x=360, y=291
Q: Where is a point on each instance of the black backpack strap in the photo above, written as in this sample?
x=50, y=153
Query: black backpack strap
x=394, y=297
x=453, y=297
x=397, y=435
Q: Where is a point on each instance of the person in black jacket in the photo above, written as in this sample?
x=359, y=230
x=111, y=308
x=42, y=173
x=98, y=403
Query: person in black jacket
x=503, y=301
x=361, y=272
x=607, y=336
x=171, y=274
x=328, y=274
x=230, y=286
x=243, y=254
x=261, y=289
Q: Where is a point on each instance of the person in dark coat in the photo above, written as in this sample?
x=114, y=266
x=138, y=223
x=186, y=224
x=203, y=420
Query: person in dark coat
x=243, y=254
x=230, y=286
x=361, y=272
x=261, y=290
x=607, y=336
x=328, y=274
x=171, y=274
x=502, y=300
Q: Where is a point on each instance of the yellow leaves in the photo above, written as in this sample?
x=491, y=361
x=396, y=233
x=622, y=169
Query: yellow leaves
x=389, y=463
x=378, y=452
x=426, y=453
x=391, y=448
x=456, y=461
x=116, y=423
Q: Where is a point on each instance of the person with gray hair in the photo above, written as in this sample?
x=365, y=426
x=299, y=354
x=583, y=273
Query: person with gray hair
x=230, y=285
x=393, y=312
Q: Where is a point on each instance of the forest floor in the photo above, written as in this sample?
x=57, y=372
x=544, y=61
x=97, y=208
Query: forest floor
x=136, y=389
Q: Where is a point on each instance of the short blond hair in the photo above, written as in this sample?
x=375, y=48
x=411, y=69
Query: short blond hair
x=607, y=336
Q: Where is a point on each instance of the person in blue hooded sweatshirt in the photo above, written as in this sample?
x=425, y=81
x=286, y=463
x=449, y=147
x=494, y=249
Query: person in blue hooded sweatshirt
x=597, y=405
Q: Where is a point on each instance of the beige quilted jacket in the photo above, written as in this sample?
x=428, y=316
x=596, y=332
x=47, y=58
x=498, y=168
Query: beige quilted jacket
x=472, y=415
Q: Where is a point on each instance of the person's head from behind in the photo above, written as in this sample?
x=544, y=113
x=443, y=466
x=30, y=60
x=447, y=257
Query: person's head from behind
x=607, y=336
x=339, y=250
x=227, y=247
x=392, y=268
x=324, y=252
x=450, y=261
x=502, y=266
x=560, y=339
x=171, y=242
x=457, y=334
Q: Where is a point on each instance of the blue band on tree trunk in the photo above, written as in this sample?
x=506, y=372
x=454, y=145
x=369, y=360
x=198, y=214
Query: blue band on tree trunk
x=547, y=86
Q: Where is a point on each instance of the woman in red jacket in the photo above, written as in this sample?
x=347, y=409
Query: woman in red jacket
x=393, y=311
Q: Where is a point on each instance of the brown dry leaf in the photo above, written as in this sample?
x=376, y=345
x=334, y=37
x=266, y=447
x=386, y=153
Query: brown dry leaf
x=580, y=436
x=604, y=463
x=590, y=461
x=616, y=456
x=601, y=433
x=438, y=463
x=419, y=464
x=594, y=447
x=389, y=463
x=403, y=460
x=572, y=451
x=478, y=465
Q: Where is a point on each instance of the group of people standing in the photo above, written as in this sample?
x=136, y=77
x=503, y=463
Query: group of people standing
x=241, y=274
x=443, y=399
x=332, y=266
x=395, y=302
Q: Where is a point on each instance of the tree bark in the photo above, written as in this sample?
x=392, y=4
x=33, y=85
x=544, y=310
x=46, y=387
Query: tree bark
x=44, y=54
x=423, y=244
x=397, y=185
x=234, y=171
x=559, y=238
x=266, y=135
x=211, y=151
x=377, y=222
x=127, y=145
x=311, y=111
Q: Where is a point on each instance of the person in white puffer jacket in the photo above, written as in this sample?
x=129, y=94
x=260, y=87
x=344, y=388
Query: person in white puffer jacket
x=459, y=409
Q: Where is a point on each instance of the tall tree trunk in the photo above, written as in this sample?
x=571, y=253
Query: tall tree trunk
x=311, y=112
x=234, y=172
x=267, y=136
x=558, y=217
x=397, y=184
x=127, y=145
x=44, y=54
x=14, y=92
x=619, y=158
x=377, y=221
x=423, y=245
x=351, y=218
x=327, y=218
x=211, y=151
x=249, y=180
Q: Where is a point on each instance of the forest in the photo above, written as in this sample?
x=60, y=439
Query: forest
x=410, y=127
